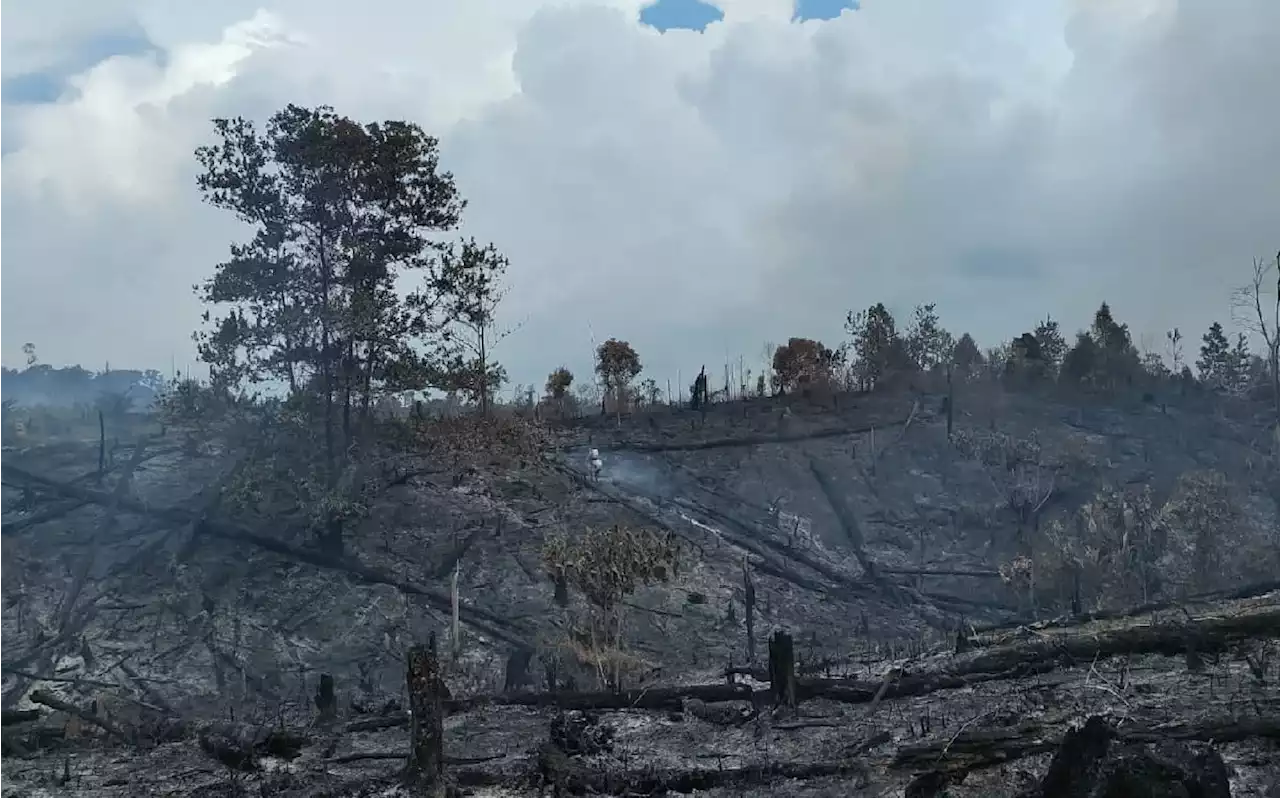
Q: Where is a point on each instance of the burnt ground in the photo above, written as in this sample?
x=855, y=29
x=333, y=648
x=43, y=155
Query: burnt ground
x=158, y=606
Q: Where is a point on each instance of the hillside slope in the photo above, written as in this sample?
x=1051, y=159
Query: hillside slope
x=138, y=593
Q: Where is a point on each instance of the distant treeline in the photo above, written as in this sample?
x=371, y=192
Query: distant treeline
x=41, y=384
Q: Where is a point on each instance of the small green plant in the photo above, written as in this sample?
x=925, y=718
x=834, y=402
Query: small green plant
x=607, y=564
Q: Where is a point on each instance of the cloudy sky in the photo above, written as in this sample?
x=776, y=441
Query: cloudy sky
x=698, y=179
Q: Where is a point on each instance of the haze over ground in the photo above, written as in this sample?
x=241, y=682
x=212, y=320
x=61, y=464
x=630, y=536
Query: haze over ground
x=697, y=192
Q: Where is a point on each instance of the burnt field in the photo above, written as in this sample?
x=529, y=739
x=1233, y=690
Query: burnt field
x=956, y=601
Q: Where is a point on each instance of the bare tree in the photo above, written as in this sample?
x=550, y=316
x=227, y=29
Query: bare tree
x=1257, y=309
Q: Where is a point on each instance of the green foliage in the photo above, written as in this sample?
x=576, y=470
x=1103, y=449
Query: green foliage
x=466, y=286
x=927, y=344
x=617, y=364
x=606, y=565
x=1223, y=365
x=558, y=383
x=803, y=362
x=337, y=209
x=877, y=346
x=1081, y=361
x=1051, y=344
x=966, y=358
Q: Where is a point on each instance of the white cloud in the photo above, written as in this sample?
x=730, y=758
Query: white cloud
x=695, y=193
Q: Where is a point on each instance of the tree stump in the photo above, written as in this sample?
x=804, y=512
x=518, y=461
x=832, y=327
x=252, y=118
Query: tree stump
x=426, y=706
x=326, y=699
x=517, y=672
x=782, y=669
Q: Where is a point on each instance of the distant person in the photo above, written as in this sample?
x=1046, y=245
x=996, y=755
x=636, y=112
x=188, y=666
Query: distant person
x=596, y=464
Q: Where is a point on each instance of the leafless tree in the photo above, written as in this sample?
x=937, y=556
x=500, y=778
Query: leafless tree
x=1257, y=309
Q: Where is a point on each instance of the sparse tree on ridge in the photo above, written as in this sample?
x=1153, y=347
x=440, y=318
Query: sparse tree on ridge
x=927, y=344
x=558, y=383
x=467, y=284
x=1258, y=310
x=1052, y=345
x=877, y=346
x=338, y=209
x=802, y=361
x=1173, y=350
x=1216, y=364
x=1080, y=364
x=966, y=356
x=617, y=364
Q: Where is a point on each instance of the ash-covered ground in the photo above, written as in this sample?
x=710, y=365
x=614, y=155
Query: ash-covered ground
x=865, y=531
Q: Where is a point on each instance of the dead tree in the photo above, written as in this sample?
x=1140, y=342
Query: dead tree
x=326, y=699
x=750, y=610
x=1261, y=315
x=425, y=768
x=782, y=669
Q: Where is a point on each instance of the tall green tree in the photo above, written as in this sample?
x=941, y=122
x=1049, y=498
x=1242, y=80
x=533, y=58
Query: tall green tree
x=467, y=284
x=617, y=364
x=927, y=343
x=800, y=362
x=337, y=211
x=1116, y=359
x=1080, y=364
x=967, y=357
x=877, y=346
x=1053, y=347
x=1215, y=366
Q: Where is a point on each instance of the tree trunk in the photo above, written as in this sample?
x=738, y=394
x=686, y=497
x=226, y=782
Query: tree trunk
x=326, y=699
x=426, y=755
x=782, y=669
x=750, y=610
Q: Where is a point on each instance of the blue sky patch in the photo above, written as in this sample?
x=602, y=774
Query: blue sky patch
x=668, y=15
x=822, y=9
x=47, y=85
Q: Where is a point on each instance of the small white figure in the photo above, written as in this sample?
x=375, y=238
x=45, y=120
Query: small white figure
x=597, y=465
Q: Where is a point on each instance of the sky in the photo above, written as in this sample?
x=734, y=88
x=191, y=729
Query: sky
x=699, y=177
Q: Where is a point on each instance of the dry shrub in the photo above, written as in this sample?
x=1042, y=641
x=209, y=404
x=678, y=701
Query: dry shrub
x=1124, y=548
x=500, y=440
x=1106, y=553
x=605, y=565
x=1020, y=471
x=1212, y=541
x=998, y=449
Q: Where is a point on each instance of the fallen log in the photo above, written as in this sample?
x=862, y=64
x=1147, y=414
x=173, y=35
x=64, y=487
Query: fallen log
x=759, y=440
x=486, y=622
x=17, y=525
x=570, y=777
x=974, y=572
x=53, y=702
x=851, y=691
x=972, y=750
x=988, y=634
x=1205, y=633
x=1014, y=661
x=928, y=612
x=15, y=716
